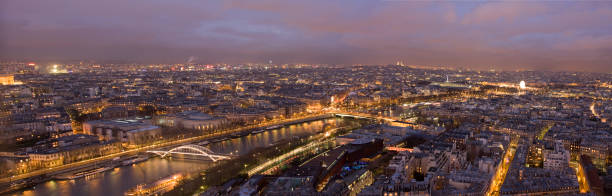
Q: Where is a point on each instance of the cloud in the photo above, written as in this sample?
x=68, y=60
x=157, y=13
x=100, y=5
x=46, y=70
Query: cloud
x=469, y=34
x=589, y=44
x=506, y=12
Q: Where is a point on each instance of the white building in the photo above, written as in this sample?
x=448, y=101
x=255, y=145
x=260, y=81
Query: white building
x=557, y=158
x=192, y=120
x=130, y=132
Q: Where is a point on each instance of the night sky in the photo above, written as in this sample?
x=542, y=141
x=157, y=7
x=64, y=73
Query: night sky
x=527, y=34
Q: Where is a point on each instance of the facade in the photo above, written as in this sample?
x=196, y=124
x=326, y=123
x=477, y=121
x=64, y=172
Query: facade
x=70, y=149
x=129, y=132
x=556, y=158
x=592, y=178
x=7, y=79
x=10, y=136
x=522, y=180
x=192, y=120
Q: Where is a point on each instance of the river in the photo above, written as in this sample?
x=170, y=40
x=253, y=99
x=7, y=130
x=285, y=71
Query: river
x=120, y=179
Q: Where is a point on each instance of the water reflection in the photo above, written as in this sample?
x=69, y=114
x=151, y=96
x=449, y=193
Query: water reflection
x=119, y=180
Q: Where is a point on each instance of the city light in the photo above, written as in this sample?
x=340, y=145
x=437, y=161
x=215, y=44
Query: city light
x=54, y=69
x=362, y=98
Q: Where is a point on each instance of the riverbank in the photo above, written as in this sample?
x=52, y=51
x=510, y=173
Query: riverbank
x=124, y=178
x=83, y=171
x=32, y=178
x=243, y=165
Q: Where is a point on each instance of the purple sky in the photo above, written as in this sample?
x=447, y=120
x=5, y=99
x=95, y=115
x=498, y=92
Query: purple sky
x=528, y=34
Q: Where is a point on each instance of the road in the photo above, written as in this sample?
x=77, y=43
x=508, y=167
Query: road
x=263, y=166
x=582, y=182
x=592, y=107
x=500, y=174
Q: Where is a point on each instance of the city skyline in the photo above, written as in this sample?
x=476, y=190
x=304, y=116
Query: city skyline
x=501, y=35
x=316, y=98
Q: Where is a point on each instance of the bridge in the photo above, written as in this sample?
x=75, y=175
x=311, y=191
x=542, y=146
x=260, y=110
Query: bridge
x=191, y=149
x=286, y=158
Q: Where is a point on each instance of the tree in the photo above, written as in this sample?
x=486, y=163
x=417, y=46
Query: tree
x=73, y=113
x=147, y=110
x=418, y=176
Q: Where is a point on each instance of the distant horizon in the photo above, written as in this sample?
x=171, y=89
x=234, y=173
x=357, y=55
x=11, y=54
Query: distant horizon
x=418, y=66
x=533, y=35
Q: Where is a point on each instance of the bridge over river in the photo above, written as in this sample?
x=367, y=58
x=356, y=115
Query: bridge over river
x=117, y=181
x=192, y=150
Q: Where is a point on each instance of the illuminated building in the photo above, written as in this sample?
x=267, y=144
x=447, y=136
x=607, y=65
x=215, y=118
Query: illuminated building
x=57, y=69
x=522, y=85
x=7, y=79
x=70, y=149
x=534, y=156
x=192, y=120
x=556, y=158
x=131, y=132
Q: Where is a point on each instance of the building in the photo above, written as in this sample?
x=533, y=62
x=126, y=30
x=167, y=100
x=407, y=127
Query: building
x=283, y=186
x=192, y=120
x=350, y=183
x=522, y=180
x=556, y=158
x=467, y=182
x=6, y=79
x=130, y=132
x=592, y=178
x=72, y=148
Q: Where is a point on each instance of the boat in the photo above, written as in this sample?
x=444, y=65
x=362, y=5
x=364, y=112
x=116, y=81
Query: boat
x=81, y=174
x=239, y=134
x=134, y=160
x=219, y=139
x=235, y=135
x=156, y=188
x=19, y=185
x=204, y=143
x=258, y=131
x=274, y=127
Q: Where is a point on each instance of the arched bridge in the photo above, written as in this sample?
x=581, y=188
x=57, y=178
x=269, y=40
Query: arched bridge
x=193, y=150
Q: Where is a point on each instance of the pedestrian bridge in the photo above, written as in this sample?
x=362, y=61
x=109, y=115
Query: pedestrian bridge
x=193, y=150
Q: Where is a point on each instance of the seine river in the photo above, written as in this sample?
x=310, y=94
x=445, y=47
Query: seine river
x=121, y=179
